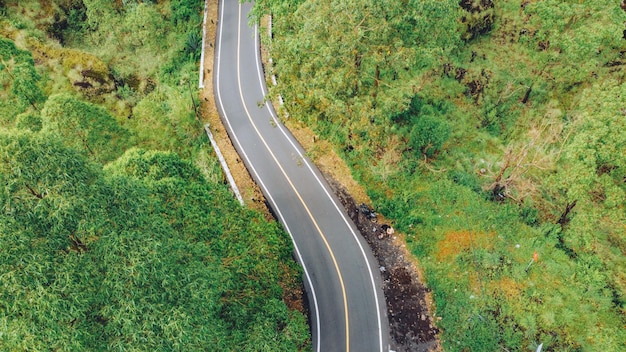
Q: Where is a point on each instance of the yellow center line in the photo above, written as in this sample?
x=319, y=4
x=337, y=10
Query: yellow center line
x=319, y=230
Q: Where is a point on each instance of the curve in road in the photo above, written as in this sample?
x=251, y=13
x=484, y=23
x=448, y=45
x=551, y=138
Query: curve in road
x=342, y=281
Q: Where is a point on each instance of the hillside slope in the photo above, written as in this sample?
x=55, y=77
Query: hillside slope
x=117, y=231
x=492, y=133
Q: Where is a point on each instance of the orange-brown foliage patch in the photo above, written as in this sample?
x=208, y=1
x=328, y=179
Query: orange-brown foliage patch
x=506, y=287
x=455, y=242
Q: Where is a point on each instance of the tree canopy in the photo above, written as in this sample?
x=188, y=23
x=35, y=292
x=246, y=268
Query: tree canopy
x=348, y=64
x=138, y=255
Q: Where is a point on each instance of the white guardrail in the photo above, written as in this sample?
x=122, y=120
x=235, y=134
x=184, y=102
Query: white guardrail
x=201, y=80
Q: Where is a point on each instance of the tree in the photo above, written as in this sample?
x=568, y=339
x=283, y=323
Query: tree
x=47, y=200
x=17, y=69
x=38, y=172
x=185, y=12
x=359, y=61
x=99, y=13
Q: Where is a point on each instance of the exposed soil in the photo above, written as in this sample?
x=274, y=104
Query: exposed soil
x=410, y=321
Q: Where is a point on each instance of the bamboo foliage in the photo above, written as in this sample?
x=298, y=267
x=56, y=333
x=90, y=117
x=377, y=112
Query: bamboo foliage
x=104, y=245
x=129, y=256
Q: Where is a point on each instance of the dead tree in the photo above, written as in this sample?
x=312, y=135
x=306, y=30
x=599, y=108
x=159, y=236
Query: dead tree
x=565, y=218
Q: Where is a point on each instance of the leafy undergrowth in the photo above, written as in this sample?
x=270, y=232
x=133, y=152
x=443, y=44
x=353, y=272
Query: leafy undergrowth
x=492, y=134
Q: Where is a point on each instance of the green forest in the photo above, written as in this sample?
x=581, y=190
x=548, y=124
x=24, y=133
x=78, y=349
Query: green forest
x=117, y=232
x=493, y=134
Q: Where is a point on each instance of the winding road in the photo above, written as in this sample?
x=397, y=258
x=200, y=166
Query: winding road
x=342, y=279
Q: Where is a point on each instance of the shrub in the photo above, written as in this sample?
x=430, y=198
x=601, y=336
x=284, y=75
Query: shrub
x=184, y=11
x=428, y=135
x=466, y=179
x=478, y=17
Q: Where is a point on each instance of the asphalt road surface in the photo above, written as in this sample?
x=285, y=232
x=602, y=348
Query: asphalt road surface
x=342, y=279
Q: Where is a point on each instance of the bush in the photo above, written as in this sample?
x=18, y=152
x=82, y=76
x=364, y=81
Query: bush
x=184, y=11
x=428, y=135
x=193, y=46
x=529, y=215
x=466, y=179
x=478, y=17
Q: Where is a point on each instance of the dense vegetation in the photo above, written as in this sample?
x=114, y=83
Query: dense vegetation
x=493, y=134
x=116, y=230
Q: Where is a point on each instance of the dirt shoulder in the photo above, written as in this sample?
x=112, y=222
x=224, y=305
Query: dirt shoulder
x=408, y=300
x=249, y=190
